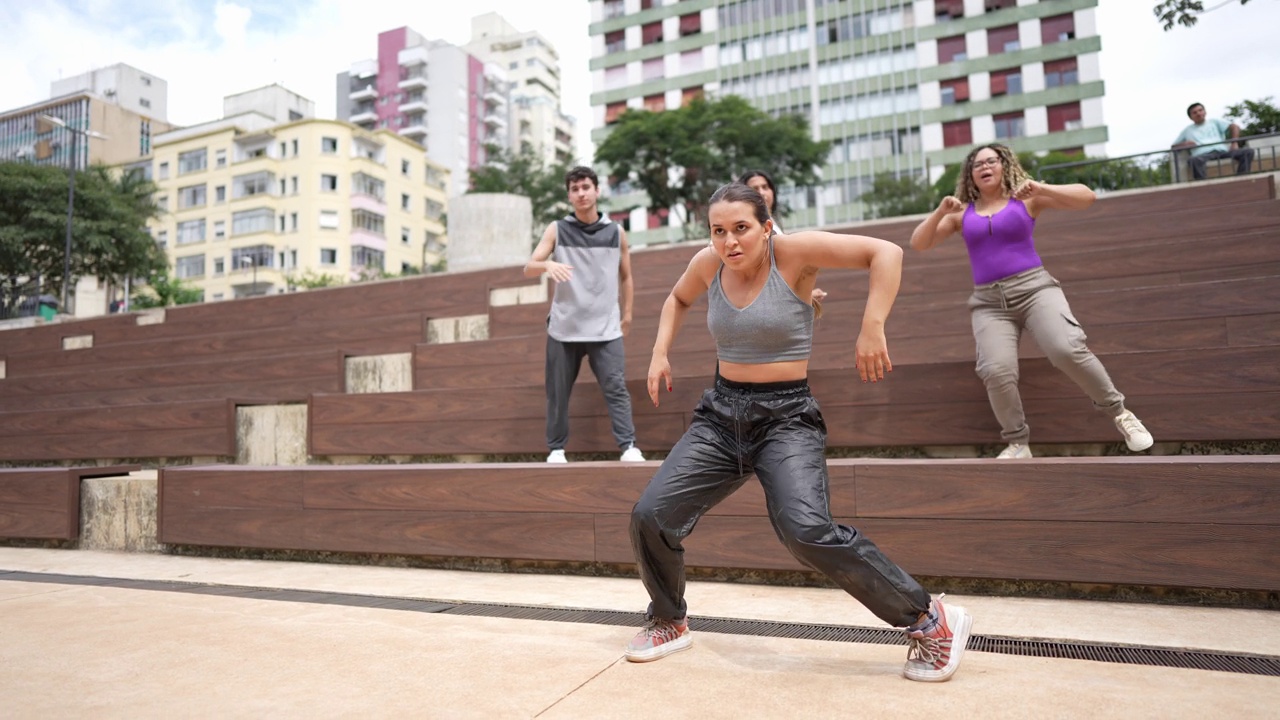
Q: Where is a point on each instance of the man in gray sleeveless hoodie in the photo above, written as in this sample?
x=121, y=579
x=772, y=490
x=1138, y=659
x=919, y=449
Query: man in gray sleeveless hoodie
x=592, y=267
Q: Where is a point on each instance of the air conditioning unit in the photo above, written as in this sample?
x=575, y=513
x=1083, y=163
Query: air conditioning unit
x=109, y=92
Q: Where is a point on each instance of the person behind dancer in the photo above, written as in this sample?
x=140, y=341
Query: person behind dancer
x=761, y=418
x=591, y=269
x=761, y=182
x=995, y=209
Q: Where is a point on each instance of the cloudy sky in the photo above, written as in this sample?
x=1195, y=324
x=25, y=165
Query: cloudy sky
x=206, y=49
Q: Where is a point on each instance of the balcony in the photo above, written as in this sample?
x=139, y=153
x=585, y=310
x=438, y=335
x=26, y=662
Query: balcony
x=493, y=95
x=493, y=119
x=413, y=56
x=416, y=132
x=413, y=81
x=414, y=104
x=364, y=117
x=365, y=90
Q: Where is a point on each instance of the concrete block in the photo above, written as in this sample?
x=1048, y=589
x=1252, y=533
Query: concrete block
x=77, y=342
x=271, y=435
x=151, y=317
x=380, y=373
x=2, y=370
x=520, y=294
x=119, y=513
x=488, y=230
x=465, y=328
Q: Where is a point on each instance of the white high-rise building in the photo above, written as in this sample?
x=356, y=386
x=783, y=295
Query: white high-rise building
x=533, y=69
x=121, y=84
x=900, y=86
x=437, y=94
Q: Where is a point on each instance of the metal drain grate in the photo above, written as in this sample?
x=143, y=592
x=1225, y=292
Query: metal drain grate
x=1241, y=663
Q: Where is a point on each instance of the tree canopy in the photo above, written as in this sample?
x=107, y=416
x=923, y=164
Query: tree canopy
x=679, y=157
x=525, y=173
x=1184, y=12
x=1256, y=117
x=110, y=240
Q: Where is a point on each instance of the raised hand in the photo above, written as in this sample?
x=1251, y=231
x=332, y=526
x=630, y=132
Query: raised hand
x=1028, y=190
x=950, y=204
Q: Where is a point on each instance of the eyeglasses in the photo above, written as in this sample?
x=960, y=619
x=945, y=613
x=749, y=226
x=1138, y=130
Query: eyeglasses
x=989, y=162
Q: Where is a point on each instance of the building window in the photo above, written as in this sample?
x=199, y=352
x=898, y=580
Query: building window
x=189, y=266
x=370, y=222
x=651, y=33
x=193, y=161
x=433, y=209
x=655, y=103
x=622, y=219
x=615, y=42
x=294, y=145
x=328, y=256
x=613, y=9
x=328, y=145
x=220, y=158
x=404, y=201
x=162, y=203
x=220, y=266
x=944, y=10
x=1058, y=28
x=163, y=172
x=293, y=222
x=1064, y=117
x=258, y=183
x=613, y=110
x=284, y=149
x=363, y=257
x=261, y=256
x=404, y=168
x=959, y=132
x=191, y=231
x=328, y=183
x=1006, y=82
x=994, y=5
x=652, y=69
x=951, y=49
x=144, y=102
x=248, y=222
x=220, y=194
x=162, y=239
x=282, y=186
x=362, y=184
x=404, y=235
x=1061, y=72
x=293, y=183
x=191, y=196
x=144, y=138
x=690, y=94
x=955, y=91
x=219, y=229
x=690, y=24
x=1002, y=39
x=1009, y=125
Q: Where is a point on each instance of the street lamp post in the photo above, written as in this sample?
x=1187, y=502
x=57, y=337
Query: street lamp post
x=71, y=198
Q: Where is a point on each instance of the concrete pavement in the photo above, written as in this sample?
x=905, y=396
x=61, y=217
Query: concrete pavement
x=109, y=650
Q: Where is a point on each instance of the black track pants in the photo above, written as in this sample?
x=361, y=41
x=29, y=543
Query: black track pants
x=776, y=431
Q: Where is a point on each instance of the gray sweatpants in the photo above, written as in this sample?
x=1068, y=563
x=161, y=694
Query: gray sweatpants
x=608, y=362
x=1033, y=300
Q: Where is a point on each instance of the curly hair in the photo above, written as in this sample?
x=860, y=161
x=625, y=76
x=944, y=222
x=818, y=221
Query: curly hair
x=1013, y=177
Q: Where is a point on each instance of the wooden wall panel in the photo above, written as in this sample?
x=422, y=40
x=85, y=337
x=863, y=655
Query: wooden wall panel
x=39, y=503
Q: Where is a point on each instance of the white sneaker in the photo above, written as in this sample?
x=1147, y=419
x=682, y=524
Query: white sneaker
x=632, y=454
x=1135, y=433
x=1015, y=451
x=557, y=456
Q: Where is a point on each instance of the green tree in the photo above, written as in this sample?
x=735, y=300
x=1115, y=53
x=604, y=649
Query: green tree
x=892, y=196
x=1255, y=117
x=109, y=235
x=1184, y=12
x=679, y=157
x=311, y=280
x=525, y=173
x=163, y=290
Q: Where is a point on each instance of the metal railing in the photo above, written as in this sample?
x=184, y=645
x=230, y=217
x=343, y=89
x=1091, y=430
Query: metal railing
x=1162, y=167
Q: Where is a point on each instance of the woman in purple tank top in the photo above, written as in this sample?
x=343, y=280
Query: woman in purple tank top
x=995, y=209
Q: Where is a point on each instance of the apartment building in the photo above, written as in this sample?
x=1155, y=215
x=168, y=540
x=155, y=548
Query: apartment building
x=249, y=204
x=433, y=93
x=103, y=132
x=533, y=71
x=899, y=86
x=122, y=84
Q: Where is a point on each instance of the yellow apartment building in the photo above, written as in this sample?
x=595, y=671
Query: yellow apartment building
x=250, y=209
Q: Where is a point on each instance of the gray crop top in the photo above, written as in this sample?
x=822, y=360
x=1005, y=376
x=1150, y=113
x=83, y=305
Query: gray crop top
x=776, y=326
